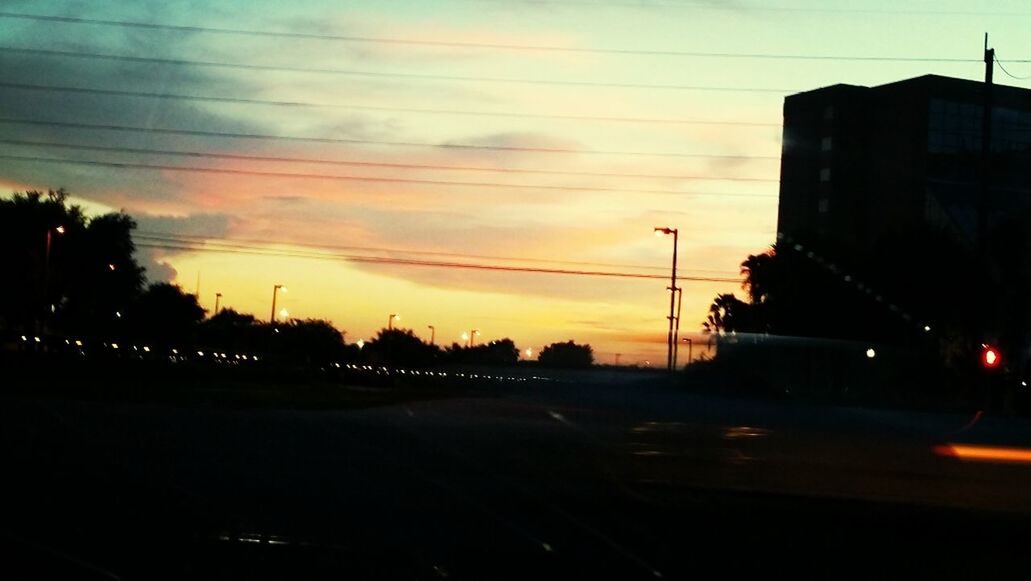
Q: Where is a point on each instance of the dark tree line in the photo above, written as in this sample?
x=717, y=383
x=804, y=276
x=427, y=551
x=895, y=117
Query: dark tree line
x=890, y=293
x=72, y=275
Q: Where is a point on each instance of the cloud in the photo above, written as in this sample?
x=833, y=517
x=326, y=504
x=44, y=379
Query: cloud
x=158, y=261
x=156, y=269
x=201, y=225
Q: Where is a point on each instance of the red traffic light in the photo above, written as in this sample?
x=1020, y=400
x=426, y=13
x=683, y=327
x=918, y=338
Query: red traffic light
x=990, y=357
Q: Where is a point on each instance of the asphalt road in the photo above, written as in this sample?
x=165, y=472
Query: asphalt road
x=572, y=480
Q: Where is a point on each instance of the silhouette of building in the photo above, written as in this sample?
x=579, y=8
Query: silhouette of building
x=862, y=162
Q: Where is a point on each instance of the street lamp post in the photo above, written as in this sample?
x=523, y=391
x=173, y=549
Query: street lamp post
x=433, y=334
x=218, y=299
x=676, y=328
x=275, y=292
x=472, y=337
x=390, y=320
x=46, y=263
x=690, y=347
x=672, y=293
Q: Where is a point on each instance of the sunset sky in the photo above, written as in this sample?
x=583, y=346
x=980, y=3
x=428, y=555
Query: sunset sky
x=695, y=139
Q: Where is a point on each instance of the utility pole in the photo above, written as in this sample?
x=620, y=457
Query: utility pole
x=672, y=293
x=983, y=203
x=218, y=299
x=433, y=334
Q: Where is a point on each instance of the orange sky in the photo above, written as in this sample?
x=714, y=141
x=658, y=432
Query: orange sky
x=544, y=205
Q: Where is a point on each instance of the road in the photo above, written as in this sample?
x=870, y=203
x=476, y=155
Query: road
x=615, y=481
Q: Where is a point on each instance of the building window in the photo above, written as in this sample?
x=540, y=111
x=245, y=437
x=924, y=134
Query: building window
x=823, y=205
x=825, y=174
x=826, y=144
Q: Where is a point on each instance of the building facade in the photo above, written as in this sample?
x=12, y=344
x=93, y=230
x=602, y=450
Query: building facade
x=859, y=163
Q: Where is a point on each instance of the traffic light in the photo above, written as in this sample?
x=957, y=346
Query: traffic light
x=990, y=356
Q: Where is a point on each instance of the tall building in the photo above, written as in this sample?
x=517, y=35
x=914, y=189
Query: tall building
x=860, y=163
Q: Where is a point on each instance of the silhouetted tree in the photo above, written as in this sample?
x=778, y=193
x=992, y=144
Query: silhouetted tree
x=229, y=330
x=80, y=284
x=400, y=347
x=309, y=341
x=499, y=352
x=164, y=314
x=567, y=354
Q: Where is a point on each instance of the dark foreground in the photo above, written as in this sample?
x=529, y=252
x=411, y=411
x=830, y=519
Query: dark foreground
x=522, y=482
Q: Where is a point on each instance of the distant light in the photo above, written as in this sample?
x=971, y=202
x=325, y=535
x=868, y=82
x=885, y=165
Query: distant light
x=67, y=342
x=870, y=353
x=529, y=352
x=146, y=349
x=110, y=266
x=59, y=229
x=175, y=352
x=1023, y=384
x=465, y=336
x=284, y=313
x=114, y=345
x=200, y=354
x=118, y=314
x=36, y=339
x=360, y=343
x=927, y=328
x=255, y=357
x=78, y=343
x=990, y=357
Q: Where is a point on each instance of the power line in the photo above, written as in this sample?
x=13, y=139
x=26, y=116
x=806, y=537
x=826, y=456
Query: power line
x=263, y=243
x=276, y=159
x=711, y=6
x=368, y=179
x=1009, y=74
x=426, y=263
x=384, y=75
x=468, y=45
x=336, y=140
x=416, y=110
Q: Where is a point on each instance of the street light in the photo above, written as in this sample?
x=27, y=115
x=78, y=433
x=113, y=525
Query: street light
x=283, y=313
x=676, y=329
x=672, y=292
x=433, y=334
x=690, y=348
x=470, y=337
x=390, y=320
x=46, y=260
x=529, y=352
x=275, y=291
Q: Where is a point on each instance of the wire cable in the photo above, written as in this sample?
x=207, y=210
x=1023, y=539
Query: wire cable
x=1009, y=74
x=394, y=75
x=338, y=140
x=367, y=179
x=428, y=263
x=171, y=237
x=351, y=163
x=469, y=45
